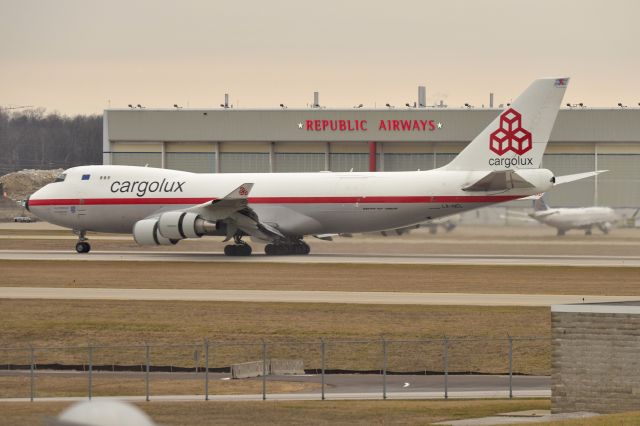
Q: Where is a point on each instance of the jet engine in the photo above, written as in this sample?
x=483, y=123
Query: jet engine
x=172, y=227
x=179, y=225
x=146, y=233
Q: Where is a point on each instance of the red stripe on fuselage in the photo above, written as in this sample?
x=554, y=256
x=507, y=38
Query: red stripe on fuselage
x=280, y=200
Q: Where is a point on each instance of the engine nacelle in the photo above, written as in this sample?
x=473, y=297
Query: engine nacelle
x=179, y=225
x=146, y=233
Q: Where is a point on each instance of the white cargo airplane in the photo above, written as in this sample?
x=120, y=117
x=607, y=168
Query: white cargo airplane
x=161, y=207
x=564, y=219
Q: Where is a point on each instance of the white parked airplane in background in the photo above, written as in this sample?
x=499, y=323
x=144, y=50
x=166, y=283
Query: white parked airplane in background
x=162, y=207
x=565, y=219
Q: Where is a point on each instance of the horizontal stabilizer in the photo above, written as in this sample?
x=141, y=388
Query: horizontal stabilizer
x=577, y=176
x=532, y=197
x=499, y=181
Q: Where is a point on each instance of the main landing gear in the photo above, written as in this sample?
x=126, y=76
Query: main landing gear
x=240, y=248
x=82, y=246
x=296, y=247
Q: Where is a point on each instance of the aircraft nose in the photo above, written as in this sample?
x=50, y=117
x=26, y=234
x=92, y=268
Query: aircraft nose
x=31, y=203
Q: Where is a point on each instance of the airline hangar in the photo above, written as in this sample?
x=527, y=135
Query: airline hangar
x=227, y=140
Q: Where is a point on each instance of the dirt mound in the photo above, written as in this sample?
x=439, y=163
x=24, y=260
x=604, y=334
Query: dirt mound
x=18, y=185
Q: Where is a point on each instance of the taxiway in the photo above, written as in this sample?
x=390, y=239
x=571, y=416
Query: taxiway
x=274, y=296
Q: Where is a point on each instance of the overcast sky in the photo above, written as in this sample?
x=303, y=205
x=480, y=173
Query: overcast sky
x=80, y=56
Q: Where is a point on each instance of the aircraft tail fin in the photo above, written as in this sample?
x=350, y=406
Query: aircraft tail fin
x=540, y=205
x=517, y=138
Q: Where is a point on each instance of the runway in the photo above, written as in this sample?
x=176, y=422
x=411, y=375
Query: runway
x=359, y=258
x=275, y=296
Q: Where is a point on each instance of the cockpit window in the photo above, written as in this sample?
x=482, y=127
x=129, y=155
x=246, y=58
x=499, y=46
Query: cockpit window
x=61, y=178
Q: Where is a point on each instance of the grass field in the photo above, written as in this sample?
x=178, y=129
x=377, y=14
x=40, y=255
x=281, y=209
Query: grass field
x=329, y=277
x=289, y=328
x=107, y=384
x=290, y=413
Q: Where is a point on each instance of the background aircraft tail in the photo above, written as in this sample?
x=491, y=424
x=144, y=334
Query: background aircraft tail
x=540, y=205
x=517, y=138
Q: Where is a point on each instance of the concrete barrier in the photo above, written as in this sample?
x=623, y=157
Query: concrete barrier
x=286, y=366
x=247, y=369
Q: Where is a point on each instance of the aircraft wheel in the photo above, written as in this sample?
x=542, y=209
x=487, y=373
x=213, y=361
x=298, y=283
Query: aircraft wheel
x=587, y=232
x=83, y=247
x=244, y=249
x=561, y=232
x=230, y=250
x=305, y=249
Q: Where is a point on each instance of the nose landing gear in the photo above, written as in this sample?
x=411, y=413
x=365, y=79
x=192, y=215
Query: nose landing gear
x=82, y=246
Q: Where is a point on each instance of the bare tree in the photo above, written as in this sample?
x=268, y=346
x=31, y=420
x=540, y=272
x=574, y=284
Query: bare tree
x=33, y=139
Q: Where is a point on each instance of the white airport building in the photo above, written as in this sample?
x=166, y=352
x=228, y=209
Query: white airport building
x=225, y=139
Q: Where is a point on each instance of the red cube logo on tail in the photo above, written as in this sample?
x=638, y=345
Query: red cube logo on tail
x=510, y=136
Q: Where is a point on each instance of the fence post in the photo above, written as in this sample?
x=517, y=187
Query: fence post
x=90, y=350
x=146, y=375
x=322, y=363
x=384, y=368
x=446, y=367
x=32, y=379
x=264, y=370
x=510, y=367
x=206, y=370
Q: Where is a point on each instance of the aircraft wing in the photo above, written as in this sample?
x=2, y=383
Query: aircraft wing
x=233, y=209
x=544, y=213
x=222, y=208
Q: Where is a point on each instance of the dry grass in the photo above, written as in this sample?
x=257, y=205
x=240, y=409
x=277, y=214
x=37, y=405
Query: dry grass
x=290, y=413
x=329, y=277
x=108, y=384
x=68, y=323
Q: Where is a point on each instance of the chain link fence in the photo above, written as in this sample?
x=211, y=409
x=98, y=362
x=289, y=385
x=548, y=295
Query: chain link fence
x=265, y=367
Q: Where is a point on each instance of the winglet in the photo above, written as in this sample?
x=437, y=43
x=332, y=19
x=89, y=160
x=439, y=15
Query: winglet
x=241, y=192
